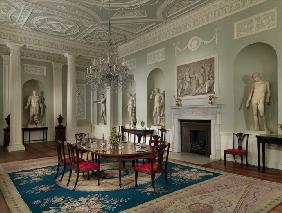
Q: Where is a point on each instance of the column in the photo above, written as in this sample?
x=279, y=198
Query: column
x=109, y=111
x=71, y=97
x=6, y=89
x=57, y=92
x=15, y=80
x=120, y=105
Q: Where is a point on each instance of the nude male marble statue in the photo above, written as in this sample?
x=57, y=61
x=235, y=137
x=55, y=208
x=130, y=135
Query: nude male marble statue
x=158, y=105
x=258, y=96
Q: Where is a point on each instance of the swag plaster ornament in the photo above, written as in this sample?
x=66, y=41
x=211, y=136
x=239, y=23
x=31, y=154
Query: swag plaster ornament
x=195, y=43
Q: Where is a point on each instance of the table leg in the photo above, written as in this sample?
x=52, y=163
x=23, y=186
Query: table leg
x=263, y=157
x=119, y=172
x=139, y=138
x=29, y=137
x=258, y=144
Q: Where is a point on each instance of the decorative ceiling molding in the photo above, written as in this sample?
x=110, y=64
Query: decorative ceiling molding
x=46, y=43
x=206, y=14
x=255, y=24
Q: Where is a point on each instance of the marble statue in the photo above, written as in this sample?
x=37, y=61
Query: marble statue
x=102, y=101
x=258, y=96
x=36, y=109
x=131, y=107
x=159, y=104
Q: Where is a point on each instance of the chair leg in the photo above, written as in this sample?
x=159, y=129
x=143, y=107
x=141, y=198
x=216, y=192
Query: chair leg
x=234, y=157
x=166, y=183
x=247, y=160
x=224, y=159
x=153, y=182
x=63, y=172
x=88, y=176
x=241, y=161
x=77, y=176
x=58, y=167
x=136, y=176
x=69, y=177
x=98, y=175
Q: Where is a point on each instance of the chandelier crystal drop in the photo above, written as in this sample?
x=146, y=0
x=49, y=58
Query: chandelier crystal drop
x=109, y=70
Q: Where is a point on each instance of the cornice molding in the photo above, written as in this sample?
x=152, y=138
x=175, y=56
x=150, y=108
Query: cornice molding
x=46, y=43
x=207, y=14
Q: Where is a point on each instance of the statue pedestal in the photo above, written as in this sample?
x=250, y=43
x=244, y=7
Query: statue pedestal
x=253, y=132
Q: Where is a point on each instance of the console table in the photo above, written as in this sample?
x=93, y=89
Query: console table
x=43, y=129
x=269, y=139
x=137, y=132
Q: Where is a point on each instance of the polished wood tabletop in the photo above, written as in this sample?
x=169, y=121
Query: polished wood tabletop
x=123, y=150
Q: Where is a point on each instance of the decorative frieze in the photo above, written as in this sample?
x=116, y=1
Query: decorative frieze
x=156, y=56
x=207, y=14
x=31, y=69
x=131, y=64
x=255, y=24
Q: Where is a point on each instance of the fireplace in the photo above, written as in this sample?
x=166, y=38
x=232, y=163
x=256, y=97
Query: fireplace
x=200, y=113
x=196, y=136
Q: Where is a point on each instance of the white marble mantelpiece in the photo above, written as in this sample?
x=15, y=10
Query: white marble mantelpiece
x=197, y=112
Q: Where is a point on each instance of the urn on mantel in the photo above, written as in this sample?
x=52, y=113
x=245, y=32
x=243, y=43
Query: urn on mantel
x=60, y=120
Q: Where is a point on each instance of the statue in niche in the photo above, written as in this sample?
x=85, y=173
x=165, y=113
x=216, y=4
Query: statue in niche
x=131, y=107
x=36, y=109
x=258, y=96
x=159, y=103
x=102, y=101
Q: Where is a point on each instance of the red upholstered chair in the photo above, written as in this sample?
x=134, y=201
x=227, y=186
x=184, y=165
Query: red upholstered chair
x=63, y=160
x=238, y=140
x=157, y=163
x=81, y=167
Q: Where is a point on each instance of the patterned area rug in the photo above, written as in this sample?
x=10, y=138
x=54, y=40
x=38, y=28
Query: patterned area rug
x=30, y=186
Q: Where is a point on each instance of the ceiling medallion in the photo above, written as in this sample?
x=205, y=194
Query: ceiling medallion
x=109, y=70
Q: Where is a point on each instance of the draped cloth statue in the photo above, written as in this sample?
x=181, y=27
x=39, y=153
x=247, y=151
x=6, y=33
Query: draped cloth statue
x=258, y=97
x=36, y=109
x=131, y=108
x=102, y=101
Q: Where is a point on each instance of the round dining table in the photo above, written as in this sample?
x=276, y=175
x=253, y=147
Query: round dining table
x=124, y=151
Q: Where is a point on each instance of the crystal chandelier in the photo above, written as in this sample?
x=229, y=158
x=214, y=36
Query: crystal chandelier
x=109, y=70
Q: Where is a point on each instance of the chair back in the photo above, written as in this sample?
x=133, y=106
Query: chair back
x=240, y=138
x=61, y=151
x=81, y=137
x=73, y=155
x=154, y=140
x=160, y=151
x=162, y=133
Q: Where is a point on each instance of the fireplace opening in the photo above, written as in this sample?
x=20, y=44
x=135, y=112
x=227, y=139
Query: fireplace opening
x=196, y=136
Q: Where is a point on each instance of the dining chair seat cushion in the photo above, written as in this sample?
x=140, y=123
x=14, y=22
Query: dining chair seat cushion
x=146, y=168
x=88, y=166
x=67, y=160
x=235, y=151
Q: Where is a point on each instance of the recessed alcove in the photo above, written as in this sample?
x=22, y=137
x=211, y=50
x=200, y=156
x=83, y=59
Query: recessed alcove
x=155, y=80
x=130, y=87
x=255, y=58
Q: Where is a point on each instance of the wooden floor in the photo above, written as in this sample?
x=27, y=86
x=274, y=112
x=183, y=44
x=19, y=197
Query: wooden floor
x=39, y=150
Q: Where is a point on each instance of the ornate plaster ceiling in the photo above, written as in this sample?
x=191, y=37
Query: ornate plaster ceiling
x=86, y=20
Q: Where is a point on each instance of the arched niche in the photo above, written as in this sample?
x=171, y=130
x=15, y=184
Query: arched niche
x=129, y=88
x=255, y=58
x=28, y=88
x=155, y=80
